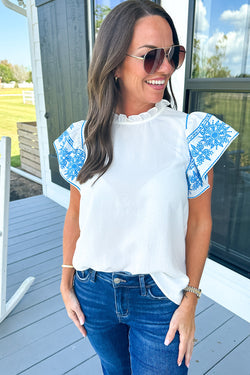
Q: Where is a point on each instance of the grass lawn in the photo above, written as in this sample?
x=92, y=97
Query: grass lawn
x=12, y=110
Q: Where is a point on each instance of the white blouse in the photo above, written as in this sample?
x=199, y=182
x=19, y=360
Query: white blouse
x=134, y=218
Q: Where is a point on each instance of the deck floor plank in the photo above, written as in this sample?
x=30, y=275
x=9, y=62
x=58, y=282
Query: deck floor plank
x=33, y=223
x=34, y=314
x=64, y=360
x=26, y=237
x=40, y=278
x=39, y=239
x=218, y=344
x=35, y=297
x=17, y=341
x=34, y=270
x=210, y=320
x=36, y=259
x=35, y=250
x=42, y=348
x=38, y=337
x=236, y=362
x=90, y=367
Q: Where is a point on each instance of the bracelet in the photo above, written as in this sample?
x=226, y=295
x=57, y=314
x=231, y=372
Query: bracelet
x=67, y=266
x=194, y=290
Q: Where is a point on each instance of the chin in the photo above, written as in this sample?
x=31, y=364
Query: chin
x=156, y=98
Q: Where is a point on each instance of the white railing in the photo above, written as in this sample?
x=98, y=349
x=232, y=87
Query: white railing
x=7, y=307
x=28, y=97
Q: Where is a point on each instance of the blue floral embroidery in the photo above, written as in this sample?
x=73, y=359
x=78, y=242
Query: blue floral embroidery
x=215, y=133
x=74, y=163
x=206, y=144
x=70, y=152
x=193, y=177
x=200, y=153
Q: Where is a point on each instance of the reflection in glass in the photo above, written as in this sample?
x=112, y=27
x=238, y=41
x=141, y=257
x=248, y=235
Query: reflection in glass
x=231, y=193
x=102, y=8
x=221, y=39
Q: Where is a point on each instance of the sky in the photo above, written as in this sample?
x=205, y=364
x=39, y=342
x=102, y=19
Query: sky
x=14, y=37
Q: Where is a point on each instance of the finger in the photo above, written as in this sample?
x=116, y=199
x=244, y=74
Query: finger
x=76, y=308
x=80, y=315
x=73, y=316
x=189, y=352
x=182, y=351
x=170, y=334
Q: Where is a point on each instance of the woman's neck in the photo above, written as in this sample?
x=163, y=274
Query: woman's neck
x=130, y=109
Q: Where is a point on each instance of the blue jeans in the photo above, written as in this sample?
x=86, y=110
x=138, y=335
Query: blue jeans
x=127, y=318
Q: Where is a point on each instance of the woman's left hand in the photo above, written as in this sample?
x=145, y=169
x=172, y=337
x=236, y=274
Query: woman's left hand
x=183, y=321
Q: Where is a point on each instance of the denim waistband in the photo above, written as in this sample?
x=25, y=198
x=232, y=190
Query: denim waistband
x=119, y=279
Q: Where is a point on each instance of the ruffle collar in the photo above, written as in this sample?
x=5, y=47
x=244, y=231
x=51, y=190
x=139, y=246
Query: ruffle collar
x=123, y=119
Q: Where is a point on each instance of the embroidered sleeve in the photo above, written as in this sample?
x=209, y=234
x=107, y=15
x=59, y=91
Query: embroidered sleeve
x=208, y=138
x=71, y=153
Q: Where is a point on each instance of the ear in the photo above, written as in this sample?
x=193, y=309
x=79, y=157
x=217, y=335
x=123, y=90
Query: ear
x=117, y=72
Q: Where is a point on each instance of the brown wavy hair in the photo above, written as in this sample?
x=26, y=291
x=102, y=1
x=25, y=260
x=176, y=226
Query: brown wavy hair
x=112, y=43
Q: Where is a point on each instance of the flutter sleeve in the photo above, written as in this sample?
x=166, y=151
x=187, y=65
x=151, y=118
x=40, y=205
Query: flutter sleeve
x=207, y=138
x=71, y=152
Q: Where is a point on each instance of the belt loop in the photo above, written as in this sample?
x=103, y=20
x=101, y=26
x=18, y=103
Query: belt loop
x=92, y=276
x=142, y=285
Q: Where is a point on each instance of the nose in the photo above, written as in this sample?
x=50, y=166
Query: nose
x=166, y=67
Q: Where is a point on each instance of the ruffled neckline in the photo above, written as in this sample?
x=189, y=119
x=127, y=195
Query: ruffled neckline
x=123, y=119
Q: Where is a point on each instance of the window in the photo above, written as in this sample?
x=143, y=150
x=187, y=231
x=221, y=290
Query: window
x=218, y=81
x=221, y=39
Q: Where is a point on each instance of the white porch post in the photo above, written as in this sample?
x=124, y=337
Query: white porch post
x=6, y=308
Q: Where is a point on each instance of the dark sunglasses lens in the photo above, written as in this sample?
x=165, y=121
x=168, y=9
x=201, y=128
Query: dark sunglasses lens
x=153, y=60
x=176, y=56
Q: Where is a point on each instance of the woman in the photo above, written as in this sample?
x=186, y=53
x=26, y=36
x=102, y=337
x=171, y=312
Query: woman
x=138, y=226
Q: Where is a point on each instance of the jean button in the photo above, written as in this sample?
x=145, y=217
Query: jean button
x=117, y=280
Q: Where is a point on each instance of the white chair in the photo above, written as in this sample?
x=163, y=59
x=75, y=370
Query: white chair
x=7, y=307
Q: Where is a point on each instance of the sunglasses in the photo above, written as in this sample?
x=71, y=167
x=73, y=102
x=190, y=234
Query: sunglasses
x=155, y=57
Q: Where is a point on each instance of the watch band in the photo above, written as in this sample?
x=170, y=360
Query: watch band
x=194, y=290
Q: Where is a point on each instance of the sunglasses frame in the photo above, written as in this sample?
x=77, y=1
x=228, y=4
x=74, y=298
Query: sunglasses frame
x=165, y=53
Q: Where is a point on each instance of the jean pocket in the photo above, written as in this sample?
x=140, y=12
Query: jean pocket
x=154, y=292
x=83, y=276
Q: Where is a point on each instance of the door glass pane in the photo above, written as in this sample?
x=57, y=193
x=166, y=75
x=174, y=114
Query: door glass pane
x=221, y=39
x=231, y=194
x=102, y=8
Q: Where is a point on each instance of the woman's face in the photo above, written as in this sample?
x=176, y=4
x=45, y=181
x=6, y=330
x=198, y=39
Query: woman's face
x=139, y=90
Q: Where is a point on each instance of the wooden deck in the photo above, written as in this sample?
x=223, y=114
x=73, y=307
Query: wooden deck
x=38, y=338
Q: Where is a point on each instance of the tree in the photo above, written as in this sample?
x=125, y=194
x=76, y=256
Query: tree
x=6, y=73
x=215, y=68
x=7, y=63
x=16, y=72
x=20, y=73
x=100, y=13
x=210, y=67
x=196, y=59
x=29, y=76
